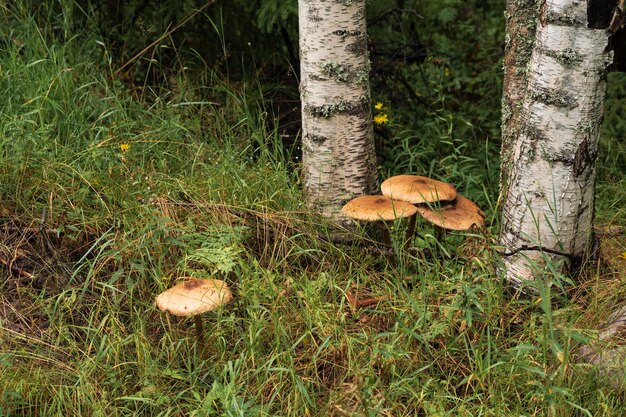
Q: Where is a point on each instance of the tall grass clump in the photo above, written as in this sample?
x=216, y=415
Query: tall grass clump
x=112, y=189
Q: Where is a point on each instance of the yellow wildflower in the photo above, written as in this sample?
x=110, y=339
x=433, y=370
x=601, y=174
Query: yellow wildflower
x=623, y=255
x=446, y=72
x=381, y=119
x=124, y=147
x=378, y=106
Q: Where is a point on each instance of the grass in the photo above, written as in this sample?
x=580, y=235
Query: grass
x=91, y=234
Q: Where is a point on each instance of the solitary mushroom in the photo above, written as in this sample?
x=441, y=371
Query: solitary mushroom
x=194, y=297
x=379, y=209
x=462, y=214
x=416, y=189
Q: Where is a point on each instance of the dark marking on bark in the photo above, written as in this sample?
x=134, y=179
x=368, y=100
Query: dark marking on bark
x=564, y=157
x=557, y=98
x=518, y=235
x=562, y=19
x=603, y=73
x=358, y=47
x=515, y=251
x=315, y=77
x=581, y=210
x=583, y=158
x=343, y=33
x=316, y=139
x=599, y=13
x=314, y=14
x=535, y=134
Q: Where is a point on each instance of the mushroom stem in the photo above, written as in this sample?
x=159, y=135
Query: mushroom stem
x=199, y=330
x=440, y=233
x=385, y=234
x=386, y=237
x=409, y=232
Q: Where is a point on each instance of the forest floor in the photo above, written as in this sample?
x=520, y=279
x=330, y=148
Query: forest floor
x=111, y=193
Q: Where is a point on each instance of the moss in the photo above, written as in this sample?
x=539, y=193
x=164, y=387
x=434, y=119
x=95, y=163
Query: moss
x=506, y=111
x=335, y=71
x=357, y=107
x=557, y=98
x=564, y=19
x=525, y=44
x=588, y=128
x=522, y=14
x=520, y=71
x=363, y=74
x=525, y=3
x=568, y=57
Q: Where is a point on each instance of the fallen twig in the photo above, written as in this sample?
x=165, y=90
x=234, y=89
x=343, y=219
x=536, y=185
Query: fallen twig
x=16, y=269
x=356, y=303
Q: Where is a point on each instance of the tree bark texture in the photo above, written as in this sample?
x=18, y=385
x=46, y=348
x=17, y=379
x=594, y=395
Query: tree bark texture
x=338, y=155
x=548, y=209
x=521, y=22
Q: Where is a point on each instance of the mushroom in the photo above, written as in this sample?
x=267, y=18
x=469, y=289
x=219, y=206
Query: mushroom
x=194, y=297
x=379, y=209
x=416, y=189
x=462, y=214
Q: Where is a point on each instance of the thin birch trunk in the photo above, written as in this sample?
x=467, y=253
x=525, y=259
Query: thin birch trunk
x=548, y=209
x=339, y=160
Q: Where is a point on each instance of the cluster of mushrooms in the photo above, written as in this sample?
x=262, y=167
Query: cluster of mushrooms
x=402, y=196
x=405, y=196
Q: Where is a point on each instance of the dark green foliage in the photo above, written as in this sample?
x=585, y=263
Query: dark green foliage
x=272, y=15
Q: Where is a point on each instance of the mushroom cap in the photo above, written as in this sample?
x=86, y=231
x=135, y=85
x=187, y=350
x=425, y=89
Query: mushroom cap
x=462, y=214
x=194, y=296
x=377, y=207
x=417, y=190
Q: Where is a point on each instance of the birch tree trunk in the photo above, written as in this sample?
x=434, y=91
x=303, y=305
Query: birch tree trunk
x=548, y=209
x=338, y=155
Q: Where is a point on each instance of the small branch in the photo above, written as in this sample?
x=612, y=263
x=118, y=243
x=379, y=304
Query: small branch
x=14, y=268
x=24, y=230
x=357, y=303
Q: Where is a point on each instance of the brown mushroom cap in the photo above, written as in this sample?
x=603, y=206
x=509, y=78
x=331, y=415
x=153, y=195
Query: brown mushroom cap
x=462, y=214
x=194, y=296
x=377, y=207
x=417, y=190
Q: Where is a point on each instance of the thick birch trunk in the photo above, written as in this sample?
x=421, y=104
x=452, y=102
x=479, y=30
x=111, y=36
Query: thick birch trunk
x=548, y=209
x=521, y=21
x=338, y=155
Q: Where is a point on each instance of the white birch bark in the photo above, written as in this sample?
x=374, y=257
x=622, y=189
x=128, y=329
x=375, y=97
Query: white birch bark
x=338, y=161
x=550, y=200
